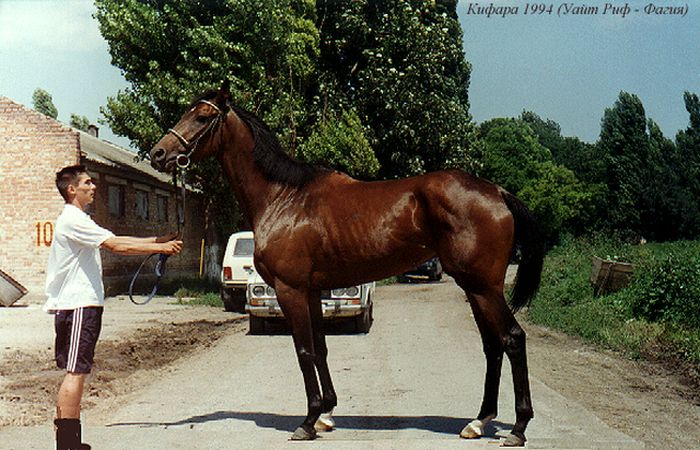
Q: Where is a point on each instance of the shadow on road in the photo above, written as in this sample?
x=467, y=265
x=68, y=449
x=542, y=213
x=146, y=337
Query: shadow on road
x=436, y=424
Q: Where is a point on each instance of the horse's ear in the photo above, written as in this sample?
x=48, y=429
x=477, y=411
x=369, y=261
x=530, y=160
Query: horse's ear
x=225, y=86
x=224, y=94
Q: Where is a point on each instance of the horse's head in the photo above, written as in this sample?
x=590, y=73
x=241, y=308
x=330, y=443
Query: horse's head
x=190, y=139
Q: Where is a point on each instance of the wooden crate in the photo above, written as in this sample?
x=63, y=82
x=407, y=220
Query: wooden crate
x=610, y=276
x=10, y=290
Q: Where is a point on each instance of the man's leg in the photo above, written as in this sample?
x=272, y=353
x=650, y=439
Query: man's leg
x=76, y=337
x=69, y=396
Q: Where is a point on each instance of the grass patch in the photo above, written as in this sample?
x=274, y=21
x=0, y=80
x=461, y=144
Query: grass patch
x=656, y=317
x=204, y=299
x=193, y=291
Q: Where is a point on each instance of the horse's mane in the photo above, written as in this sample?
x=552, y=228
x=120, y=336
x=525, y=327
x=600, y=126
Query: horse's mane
x=274, y=163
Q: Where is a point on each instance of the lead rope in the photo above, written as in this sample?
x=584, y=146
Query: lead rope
x=162, y=258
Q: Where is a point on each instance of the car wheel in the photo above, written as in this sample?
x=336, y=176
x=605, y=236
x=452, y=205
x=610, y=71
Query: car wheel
x=234, y=299
x=256, y=324
x=363, y=322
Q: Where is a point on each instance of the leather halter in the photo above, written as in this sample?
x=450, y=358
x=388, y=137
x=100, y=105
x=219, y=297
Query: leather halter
x=183, y=159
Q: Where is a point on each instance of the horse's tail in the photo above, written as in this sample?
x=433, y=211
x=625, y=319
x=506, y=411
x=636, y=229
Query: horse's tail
x=529, y=237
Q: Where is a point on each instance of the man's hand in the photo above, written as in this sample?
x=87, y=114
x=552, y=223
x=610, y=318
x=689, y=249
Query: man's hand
x=168, y=237
x=171, y=247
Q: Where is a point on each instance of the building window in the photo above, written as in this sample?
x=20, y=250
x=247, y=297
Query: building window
x=115, y=199
x=142, y=204
x=162, y=208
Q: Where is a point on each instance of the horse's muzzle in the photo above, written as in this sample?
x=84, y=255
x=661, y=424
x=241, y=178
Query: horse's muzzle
x=159, y=159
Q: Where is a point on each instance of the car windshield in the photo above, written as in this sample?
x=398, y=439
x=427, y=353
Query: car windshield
x=244, y=247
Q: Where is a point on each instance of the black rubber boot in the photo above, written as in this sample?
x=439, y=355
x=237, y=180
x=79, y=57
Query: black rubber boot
x=69, y=435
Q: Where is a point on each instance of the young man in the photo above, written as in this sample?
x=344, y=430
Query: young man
x=76, y=294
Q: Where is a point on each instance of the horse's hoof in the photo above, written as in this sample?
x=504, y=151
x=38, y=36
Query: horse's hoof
x=473, y=431
x=514, y=441
x=325, y=422
x=300, y=434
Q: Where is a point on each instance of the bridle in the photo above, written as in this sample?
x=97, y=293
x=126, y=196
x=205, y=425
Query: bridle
x=183, y=159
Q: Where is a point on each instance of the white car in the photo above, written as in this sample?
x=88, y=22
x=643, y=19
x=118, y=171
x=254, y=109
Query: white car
x=355, y=302
x=236, y=268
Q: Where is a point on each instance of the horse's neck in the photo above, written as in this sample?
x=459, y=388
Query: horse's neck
x=253, y=192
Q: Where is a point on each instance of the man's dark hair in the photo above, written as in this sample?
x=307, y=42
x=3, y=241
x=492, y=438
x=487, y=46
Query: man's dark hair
x=68, y=176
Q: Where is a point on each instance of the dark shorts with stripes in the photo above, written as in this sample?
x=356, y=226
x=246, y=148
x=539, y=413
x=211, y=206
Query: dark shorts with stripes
x=77, y=331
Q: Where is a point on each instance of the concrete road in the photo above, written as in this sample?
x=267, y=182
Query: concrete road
x=413, y=382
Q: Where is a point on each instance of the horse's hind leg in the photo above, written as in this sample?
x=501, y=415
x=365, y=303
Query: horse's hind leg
x=501, y=333
x=325, y=422
x=493, y=350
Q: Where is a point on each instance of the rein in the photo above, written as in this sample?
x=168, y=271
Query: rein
x=183, y=161
x=162, y=258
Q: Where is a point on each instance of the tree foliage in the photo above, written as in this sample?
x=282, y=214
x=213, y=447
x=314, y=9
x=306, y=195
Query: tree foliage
x=170, y=52
x=625, y=145
x=512, y=154
x=43, y=103
x=650, y=179
x=340, y=142
x=80, y=122
x=267, y=49
x=513, y=157
x=587, y=164
x=400, y=65
x=356, y=84
x=683, y=200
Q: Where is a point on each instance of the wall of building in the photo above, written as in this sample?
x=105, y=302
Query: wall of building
x=32, y=147
x=118, y=269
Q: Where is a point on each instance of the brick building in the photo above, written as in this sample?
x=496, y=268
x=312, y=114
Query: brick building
x=132, y=198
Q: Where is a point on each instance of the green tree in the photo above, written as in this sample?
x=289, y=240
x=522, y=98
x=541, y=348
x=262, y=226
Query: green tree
x=400, y=65
x=624, y=143
x=513, y=157
x=80, y=122
x=557, y=198
x=548, y=132
x=43, y=103
x=340, y=142
x=266, y=48
x=586, y=163
x=512, y=154
x=632, y=163
x=685, y=166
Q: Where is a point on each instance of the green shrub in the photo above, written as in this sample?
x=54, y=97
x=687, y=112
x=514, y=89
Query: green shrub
x=659, y=312
x=668, y=290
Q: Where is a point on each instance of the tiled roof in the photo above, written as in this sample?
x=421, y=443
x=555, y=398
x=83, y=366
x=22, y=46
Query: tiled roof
x=94, y=149
x=109, y=154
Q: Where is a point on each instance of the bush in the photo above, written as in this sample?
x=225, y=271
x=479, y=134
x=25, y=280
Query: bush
x=657, y=315
x=668, y=290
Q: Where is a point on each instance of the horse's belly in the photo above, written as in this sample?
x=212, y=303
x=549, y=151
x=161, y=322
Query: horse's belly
x=357, y=268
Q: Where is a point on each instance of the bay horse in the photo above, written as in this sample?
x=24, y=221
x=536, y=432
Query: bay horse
x=316, y=229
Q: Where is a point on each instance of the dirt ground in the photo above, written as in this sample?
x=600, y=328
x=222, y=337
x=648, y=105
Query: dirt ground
x=644, y=400
x=135, y=344
x=653, y=403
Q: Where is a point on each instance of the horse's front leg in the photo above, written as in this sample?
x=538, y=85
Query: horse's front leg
x=295, y=306
x=330, y=400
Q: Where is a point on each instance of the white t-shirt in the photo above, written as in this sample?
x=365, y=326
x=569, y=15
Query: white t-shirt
x=74, y=272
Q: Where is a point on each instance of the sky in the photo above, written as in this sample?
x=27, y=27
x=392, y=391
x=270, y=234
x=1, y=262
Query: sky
x=567, y=68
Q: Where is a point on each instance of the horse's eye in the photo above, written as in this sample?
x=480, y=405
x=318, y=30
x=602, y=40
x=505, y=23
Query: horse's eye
x=202, y=119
